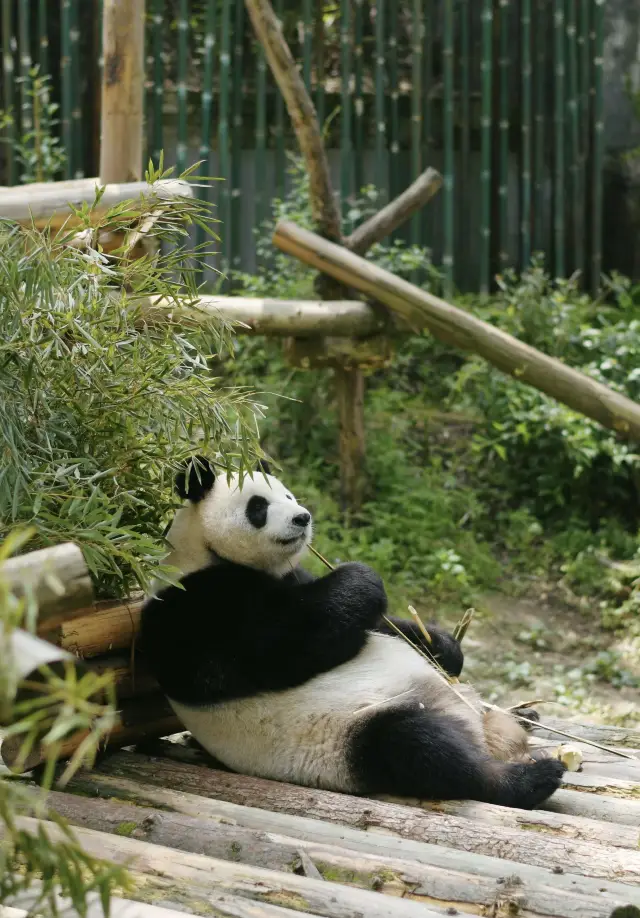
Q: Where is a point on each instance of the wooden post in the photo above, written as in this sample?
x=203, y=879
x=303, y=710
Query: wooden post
x=121, y=134
x=350, y=398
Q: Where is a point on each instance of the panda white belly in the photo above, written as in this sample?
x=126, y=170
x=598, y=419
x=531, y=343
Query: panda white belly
x=301, y=735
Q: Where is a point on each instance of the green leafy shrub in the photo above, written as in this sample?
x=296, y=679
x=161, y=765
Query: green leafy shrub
x=99, y=399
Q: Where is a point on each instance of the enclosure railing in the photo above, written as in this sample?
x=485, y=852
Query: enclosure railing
x=503, y=97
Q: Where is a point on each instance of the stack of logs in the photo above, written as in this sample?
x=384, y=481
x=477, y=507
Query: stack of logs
x=100, y=635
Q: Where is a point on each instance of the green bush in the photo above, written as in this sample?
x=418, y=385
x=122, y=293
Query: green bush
x=474, y=478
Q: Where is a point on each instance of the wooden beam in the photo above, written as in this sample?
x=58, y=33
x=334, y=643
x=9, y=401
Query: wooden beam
x=401, y=832
x=51, y=201
x=396, y=212
x=455, y=326
x=122, y=118
x=57, y=578
x=100, y=629
x=324, y=207
x=264, y=316
x=138, y=719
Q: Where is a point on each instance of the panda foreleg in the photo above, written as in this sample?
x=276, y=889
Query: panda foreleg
x=417, y=753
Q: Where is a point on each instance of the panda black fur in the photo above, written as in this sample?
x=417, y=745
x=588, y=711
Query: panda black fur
x=295, y=678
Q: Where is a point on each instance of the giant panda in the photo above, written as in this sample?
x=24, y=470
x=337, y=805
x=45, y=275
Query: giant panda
x=282, y=675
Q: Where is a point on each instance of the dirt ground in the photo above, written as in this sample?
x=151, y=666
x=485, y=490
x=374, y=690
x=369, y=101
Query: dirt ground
x=517, y=650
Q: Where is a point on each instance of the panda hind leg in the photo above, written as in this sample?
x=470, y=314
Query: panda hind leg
x=417, y=753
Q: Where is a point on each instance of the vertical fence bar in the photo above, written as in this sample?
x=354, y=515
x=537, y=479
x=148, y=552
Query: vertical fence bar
x=345, y=119
x=486, y=146
x=394, y=171
x=417, y=43
x=181, y=87
x=559, y=164
x=261, y=136
x=525, y=135
x=307, y=41
x=236, y=141
x=597, y=51
x=26, y=82
x=66, y=90
x=76, y=93
x=8, y=76
x=224, y=150
x=43, y=38
x=281, y=162
x=381, y=123
x=319, y=55
x=427, y=117
x=358, y=104
x=465, y=114
x=539, y=165
x=448, y=90
x=503, y=136
x=583, y=124
x=573, y=136
x=206, y=105
x=157, y=36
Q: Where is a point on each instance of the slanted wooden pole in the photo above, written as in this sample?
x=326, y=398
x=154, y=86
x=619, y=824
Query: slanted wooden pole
x=420, y=309
x=121, y=132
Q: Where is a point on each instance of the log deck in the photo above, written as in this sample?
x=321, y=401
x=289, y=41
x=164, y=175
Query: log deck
x=200, y=839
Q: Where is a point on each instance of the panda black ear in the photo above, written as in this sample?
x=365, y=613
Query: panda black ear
x=263, y=466
x=196, y=479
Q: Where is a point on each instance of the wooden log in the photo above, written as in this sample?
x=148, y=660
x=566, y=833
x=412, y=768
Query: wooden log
x=264, y=316
x=210, y=875
x=620, y=811
x=57, y=578
x=324, y=208
x=441, y=877
x=50, y=201
x=131, y=678
x=406, y=834
x=485, y=828
x=350, y=399
x=102, y=629
x=598, y=733
x=138, y=719
x=216, y=906
x=122, y=112
x=455, y=326
x=396, y=212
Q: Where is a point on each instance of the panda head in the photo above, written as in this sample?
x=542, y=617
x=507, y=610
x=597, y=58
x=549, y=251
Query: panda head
x=257, y=523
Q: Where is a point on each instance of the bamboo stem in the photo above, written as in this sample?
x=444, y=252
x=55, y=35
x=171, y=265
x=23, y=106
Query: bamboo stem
x=558, y=182
x=448, y=117
x=56, y=578
x=486, y=146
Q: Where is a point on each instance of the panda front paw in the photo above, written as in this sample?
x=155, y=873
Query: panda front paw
x=363, y=587
x=446, y=651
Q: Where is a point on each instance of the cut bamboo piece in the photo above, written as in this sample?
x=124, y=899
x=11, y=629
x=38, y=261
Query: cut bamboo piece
x=138, y=719
x=264, y=316
x=105, y=627
x=400, y=832
x=421, y=309
x=57, y=578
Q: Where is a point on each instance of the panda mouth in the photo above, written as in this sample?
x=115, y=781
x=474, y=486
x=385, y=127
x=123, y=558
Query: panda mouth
x=291, y=541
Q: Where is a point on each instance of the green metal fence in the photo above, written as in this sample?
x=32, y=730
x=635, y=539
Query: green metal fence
x=505, y=97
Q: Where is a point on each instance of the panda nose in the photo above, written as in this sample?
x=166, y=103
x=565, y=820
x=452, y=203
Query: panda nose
x=301, y=520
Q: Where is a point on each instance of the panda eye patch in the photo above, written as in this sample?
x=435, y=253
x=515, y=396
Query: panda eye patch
x=256, y=511
x=289, y=496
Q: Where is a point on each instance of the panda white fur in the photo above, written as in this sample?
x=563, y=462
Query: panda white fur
x=286, y=676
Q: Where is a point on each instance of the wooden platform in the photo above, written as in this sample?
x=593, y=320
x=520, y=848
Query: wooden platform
x=209, y=842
